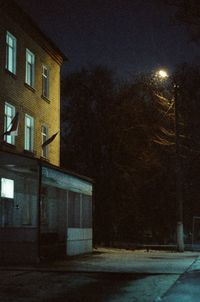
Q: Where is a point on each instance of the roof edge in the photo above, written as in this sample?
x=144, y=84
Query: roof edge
x=33, y=29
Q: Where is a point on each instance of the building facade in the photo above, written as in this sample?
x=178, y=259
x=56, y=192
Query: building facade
x=44, y=210
x=29, y=85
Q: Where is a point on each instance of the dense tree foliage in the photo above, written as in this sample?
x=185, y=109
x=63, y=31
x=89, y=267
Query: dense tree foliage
x=187, y=12
x=188, y=78
x=122, y=136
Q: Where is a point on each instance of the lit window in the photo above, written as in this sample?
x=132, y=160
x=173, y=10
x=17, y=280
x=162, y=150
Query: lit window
x=45, y=81
x=11, y=50
x=30, y=68
x=44, y=132
x=7, y=188
x=9, y=113
x=29, y=133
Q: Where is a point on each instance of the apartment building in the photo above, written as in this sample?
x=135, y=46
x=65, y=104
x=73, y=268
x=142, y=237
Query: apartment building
x=29, y=85
x=43, y=209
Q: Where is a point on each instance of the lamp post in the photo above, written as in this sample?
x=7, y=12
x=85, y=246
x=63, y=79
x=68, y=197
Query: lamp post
x=179, y=193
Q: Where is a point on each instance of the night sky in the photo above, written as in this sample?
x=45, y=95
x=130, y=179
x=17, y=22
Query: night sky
x=127, y=36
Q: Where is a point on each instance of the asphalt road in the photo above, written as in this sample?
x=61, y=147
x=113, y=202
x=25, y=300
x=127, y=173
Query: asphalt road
x=187, y=287
x=107, y=275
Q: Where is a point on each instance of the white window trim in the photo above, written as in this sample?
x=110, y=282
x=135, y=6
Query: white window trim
x=8, y=34
x=45, y=149
x=25, y=133
x=30, y=83
x=44, y=67
x=7, y=127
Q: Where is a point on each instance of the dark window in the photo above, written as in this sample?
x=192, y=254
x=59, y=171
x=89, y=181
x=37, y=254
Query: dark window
x=86, y=211
x=74, y=210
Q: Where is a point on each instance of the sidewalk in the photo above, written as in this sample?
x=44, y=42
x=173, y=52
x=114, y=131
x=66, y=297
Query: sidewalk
x=187, y=287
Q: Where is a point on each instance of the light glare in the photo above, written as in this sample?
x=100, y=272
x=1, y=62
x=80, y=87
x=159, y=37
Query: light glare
x=162, y=73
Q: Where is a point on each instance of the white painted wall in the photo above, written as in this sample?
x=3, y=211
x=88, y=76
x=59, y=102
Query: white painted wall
x=79, y=241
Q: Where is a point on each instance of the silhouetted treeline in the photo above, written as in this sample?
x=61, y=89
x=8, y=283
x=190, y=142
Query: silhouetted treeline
x=186, y=13
x=122, y=135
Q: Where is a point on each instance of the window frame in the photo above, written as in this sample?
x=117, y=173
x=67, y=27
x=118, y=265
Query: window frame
x=13, y=50
x=43, y=134
x=30, y=68
x=7, y=125
x=45, y=81
x=28, y=133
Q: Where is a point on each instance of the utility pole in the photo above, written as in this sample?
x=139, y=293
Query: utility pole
x=162, y=74
x=179, y=189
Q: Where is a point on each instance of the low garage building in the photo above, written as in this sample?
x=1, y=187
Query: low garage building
x=44, y=210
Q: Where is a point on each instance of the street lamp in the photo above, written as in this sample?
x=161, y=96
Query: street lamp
x=162, y=74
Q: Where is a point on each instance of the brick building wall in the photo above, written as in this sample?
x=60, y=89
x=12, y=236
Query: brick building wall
x=28, y=100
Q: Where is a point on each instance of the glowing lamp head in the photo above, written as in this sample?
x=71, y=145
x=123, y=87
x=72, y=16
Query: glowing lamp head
x=162, y=74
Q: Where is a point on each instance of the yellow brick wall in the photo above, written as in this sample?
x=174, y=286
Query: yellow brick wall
x=14, y=91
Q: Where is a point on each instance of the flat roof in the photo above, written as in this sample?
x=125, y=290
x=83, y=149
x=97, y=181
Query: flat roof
x=44, y=163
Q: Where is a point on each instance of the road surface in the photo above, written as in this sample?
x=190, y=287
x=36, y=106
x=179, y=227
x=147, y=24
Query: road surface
x=108, y=275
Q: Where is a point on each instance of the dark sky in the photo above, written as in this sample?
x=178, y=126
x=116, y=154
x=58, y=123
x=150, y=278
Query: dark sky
x=129, y=36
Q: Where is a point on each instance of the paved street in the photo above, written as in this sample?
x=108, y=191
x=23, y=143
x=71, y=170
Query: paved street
x=109, y=275
x=187, y=287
